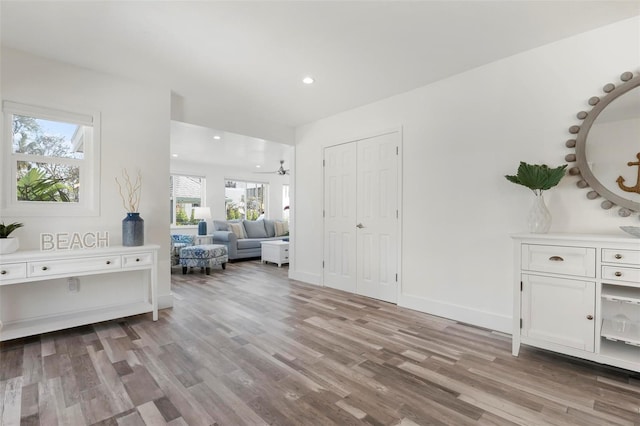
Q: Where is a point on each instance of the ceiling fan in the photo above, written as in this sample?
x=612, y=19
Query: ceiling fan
x=281, y=171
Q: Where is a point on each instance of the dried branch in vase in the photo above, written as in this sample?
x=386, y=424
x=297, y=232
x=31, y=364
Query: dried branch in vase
x=133, y=190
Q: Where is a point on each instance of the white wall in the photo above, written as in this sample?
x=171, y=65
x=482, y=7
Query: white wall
x=461, y=135
x=135, y=135
x=216, y=175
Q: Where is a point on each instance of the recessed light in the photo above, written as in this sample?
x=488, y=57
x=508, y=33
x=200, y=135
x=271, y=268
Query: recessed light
x=174, y=155
x=257, y=166
x=308, y=80
x=216, y=137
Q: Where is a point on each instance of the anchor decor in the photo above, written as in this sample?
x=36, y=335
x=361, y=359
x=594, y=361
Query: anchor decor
x=620, y=179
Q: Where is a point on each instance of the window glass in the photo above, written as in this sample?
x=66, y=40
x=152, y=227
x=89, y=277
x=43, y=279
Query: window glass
x=47, y=182
x=245, y=200
x=47, y=138
x=285, y=202
x=187, y=192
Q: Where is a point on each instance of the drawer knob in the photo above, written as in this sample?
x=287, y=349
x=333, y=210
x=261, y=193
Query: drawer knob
x=589, y=317
x=44, y=268
x=618, y=256
x=108, y=262
x=556, y=259
x=618, y=274
x=137, y=259
x=3, y=272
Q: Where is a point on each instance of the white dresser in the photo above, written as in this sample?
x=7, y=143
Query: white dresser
x=578, y=295
x=25, y=267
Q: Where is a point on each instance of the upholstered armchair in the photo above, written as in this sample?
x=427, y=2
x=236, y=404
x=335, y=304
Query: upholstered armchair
x=177, y=242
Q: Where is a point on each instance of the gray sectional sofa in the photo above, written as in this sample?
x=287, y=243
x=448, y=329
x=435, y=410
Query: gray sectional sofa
x=255, y=231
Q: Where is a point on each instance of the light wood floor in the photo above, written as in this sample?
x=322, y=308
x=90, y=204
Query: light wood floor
x=248, y=346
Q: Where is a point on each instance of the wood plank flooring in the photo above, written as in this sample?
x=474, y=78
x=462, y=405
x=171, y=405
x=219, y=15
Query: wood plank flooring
x=247, y=346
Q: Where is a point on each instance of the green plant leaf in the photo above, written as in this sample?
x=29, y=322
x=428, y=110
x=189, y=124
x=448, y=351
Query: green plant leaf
x=6, y=230
x=537, y=177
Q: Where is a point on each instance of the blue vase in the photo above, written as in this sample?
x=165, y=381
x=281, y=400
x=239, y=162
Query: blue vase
x=132, y=230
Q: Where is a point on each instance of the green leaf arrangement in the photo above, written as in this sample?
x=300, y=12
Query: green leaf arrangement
x=5, y=230
x=537, y=177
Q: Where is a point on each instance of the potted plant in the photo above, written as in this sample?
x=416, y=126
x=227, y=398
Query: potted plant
x=8, y=244
x=538, y=178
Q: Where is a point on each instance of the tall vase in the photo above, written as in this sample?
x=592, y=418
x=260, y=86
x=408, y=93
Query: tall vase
x=132, y=230
x=539, y=219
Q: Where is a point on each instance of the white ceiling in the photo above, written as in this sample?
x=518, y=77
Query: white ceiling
x=196, y=144
x=241, y=62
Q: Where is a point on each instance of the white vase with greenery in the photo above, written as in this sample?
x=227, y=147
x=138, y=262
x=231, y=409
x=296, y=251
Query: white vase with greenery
x=538, y=178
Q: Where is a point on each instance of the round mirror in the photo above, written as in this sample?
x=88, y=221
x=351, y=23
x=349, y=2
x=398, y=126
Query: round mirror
x=608, y=146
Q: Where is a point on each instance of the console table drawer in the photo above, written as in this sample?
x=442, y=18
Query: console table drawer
x=578, y=261
x=136, y=259
x=12, y=271
x=78, y=265
x=629, y=257
x=621, y=274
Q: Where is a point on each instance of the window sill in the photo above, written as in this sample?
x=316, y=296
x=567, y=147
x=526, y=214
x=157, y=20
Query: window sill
x=178, y=227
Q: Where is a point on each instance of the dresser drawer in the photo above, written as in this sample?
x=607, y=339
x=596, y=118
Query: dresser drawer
x=12, y=271
x=626, y=257
x=578, y=261
x=79, y=265
x=620, y=273
x=136, y=259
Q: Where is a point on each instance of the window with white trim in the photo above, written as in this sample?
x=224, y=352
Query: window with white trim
x=51, y=162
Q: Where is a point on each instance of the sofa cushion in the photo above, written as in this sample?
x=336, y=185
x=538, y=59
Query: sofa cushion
x=237, y=229
x=255, y=229
x=282, y=228
x=270, y=226
x=249, y=243
x=220, y=225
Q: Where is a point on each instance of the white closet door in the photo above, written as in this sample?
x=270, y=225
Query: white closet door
x=340, y=217
x=377, y=204
x=361, y=217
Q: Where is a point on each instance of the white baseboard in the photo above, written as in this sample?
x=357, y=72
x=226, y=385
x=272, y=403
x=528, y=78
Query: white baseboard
x=305, y=277
x=165, y=301
x=460, y=313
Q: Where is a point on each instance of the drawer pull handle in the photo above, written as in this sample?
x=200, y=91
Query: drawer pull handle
x=3, y=272
x=618, y=274
x=618, y=256
x=556, y=259
x=589, y=317
x=108, y=262
x=44, y=268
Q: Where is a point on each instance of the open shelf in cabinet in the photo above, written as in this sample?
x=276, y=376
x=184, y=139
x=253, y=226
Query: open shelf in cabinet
x=630, y=334
x=618, y=293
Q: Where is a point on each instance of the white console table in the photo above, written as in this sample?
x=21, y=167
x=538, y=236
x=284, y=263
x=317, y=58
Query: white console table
x=23, y=267
x=578, y=295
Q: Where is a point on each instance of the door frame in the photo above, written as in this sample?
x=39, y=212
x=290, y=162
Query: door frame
x=399, y=204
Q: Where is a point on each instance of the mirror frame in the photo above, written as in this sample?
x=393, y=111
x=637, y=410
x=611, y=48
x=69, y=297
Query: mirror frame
x=627, y=206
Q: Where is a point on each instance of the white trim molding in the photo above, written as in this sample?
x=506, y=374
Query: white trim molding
x=490, y=320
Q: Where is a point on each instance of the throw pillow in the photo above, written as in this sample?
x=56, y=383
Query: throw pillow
x=237, y=229
x=220, y=225
x=270, y=226
x=255, y=229
x=282, y=228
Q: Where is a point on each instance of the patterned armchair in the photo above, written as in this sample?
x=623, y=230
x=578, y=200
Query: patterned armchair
x=177, y=242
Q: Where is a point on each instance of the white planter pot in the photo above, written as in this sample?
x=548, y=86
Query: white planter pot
x=8, y=245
